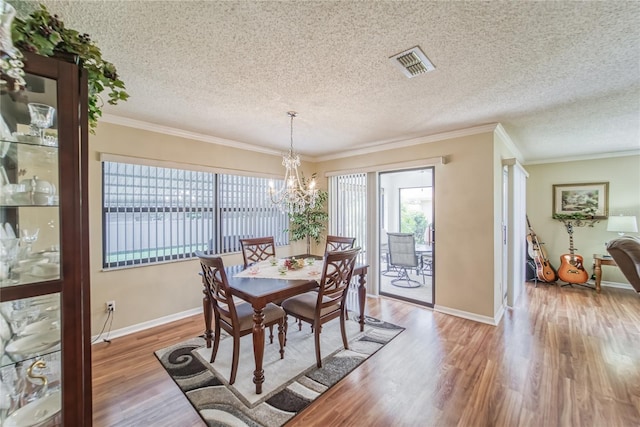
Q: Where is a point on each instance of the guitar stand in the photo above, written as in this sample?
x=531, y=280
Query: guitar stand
x=584, y=285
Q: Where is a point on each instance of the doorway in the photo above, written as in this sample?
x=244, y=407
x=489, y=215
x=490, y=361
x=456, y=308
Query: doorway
x=406, y=212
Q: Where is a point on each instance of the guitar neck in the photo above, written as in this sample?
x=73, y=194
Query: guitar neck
x=570, y=232
x=571, y=249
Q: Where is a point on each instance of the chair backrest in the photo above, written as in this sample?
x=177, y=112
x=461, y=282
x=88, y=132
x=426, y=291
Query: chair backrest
x=402, y=250
x=625, y=251
x=336, y=276
x=257, y=249
x=217, y=287
x=339, y=243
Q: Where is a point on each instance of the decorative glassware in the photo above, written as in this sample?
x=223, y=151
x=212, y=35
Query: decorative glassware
x=11, y=72
x=8, y=258
x=41, y=116
x=29, y=237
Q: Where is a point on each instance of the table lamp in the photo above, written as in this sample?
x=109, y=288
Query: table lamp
x=622, y=224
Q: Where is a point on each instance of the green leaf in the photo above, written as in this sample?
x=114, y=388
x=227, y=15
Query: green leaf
x=45, y=34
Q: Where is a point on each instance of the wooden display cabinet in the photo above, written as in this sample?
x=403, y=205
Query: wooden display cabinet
x=45, y=349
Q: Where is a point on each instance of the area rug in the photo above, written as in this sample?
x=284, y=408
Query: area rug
x=291, y=384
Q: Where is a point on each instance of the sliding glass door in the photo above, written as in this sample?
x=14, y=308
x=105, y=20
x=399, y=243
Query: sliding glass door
x=407, y=248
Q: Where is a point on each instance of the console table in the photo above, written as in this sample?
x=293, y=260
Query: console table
x=598, y=262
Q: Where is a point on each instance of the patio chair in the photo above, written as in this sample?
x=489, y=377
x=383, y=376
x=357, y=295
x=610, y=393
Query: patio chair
x=402, y=255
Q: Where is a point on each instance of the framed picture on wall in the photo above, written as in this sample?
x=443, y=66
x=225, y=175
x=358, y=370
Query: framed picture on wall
x=590, y=199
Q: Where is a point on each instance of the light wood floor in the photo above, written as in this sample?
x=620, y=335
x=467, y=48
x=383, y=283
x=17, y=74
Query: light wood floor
x=562, y=357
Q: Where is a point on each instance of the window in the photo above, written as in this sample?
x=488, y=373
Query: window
x=154, y=214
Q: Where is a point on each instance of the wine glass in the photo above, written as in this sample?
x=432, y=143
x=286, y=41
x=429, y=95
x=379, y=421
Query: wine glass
x=9, y=257
x=41, y=116
x=29, y=237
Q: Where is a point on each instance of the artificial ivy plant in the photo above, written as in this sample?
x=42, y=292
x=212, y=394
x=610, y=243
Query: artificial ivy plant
x=46, y=35
x=311, y=222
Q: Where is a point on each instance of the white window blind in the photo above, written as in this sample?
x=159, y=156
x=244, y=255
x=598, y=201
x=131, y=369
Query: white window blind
x=348, y=208
x=154, y=214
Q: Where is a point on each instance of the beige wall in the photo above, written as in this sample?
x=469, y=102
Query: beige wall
x=467, y=217
x=146, y=293
x=623, y=175
x=464, y=215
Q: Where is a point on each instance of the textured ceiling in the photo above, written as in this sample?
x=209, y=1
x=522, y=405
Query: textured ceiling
x=563, y=78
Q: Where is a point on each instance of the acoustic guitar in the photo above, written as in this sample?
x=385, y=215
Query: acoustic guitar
x=544, y=270
x=571, y=268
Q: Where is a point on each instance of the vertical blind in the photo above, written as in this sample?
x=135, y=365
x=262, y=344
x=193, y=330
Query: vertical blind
x=154, y=214
x=348, y=208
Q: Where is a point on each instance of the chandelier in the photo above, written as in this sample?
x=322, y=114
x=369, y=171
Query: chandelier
x=293, y=197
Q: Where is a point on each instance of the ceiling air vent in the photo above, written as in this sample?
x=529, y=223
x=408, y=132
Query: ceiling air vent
x=412, y=62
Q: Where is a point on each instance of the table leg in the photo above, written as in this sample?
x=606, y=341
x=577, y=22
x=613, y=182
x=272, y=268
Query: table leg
x=362, y=296
x=597, y=270
x=258, y=347
x=206, y=310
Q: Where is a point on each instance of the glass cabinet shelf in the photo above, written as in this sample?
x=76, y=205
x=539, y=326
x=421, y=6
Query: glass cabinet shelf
x=29, y=328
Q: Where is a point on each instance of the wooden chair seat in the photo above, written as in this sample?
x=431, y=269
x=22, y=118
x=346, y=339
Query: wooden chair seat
x=272, y=315
x=305, y=305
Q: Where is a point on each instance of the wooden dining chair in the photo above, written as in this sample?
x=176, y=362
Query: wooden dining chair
x=338, y=243
x=257, y=249
x=317, y=308
x=237, y=320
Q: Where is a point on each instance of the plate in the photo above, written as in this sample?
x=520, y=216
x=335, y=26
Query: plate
x=36, y=412
x=33, y=344
x=5, y=329
x=26, y=138
x=44, y=326
x=46, y=275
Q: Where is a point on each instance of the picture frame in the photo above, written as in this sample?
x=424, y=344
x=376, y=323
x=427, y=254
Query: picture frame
x=576, y=199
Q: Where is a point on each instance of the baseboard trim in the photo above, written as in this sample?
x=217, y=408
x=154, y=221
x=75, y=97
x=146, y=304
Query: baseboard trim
x=469, y=316
x=617, y=285
x=149, y=324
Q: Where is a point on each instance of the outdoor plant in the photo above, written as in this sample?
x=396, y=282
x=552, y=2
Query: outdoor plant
x=46, y=35
x=311, y=222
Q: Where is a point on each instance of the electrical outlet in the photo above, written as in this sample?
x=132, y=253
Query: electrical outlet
x=111, y=306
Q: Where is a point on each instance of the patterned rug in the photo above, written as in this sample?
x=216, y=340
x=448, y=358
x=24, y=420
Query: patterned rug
x=291, y=384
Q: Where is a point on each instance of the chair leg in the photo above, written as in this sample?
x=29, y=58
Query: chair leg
x=299, y=324
x=234, y=361
x=316, y=333
x=286, y=328
x=343, y=329
x=281, y=337
x=271, y=334
x=216, y=342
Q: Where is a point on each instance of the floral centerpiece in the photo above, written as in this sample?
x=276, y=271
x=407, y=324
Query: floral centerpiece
x=294, y=264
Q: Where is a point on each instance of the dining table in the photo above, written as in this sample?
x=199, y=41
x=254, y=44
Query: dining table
x=259, y=289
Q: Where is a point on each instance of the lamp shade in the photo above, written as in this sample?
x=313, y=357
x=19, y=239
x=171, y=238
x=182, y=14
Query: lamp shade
x=622, y=224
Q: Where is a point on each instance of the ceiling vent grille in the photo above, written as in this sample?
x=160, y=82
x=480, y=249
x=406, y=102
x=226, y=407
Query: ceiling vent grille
x=412, y=62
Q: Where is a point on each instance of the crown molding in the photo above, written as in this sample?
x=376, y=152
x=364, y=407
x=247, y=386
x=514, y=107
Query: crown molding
x=375, y=147
x=362, y=149
x=167, y=130
x=585, y=157
x=506, y=139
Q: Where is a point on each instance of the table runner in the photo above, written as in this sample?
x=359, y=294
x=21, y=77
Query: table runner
x=267, y=271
